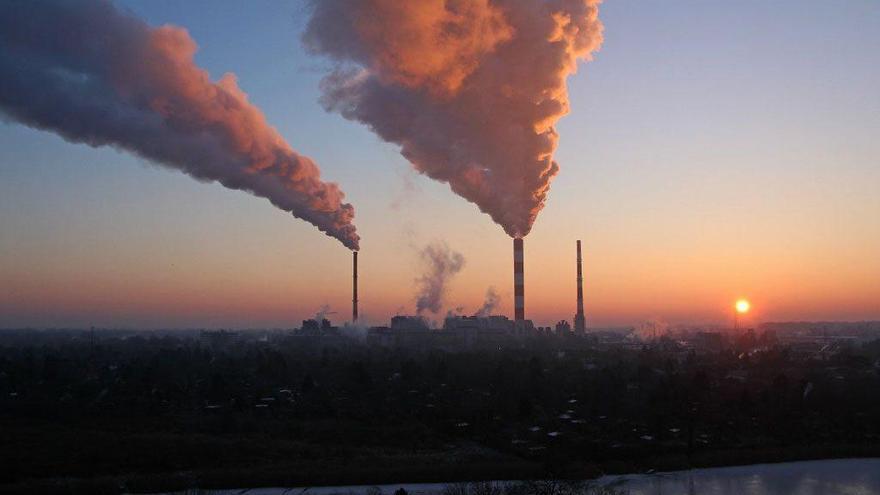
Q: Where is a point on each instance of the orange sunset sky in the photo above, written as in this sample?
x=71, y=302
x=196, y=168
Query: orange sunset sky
x=710, y=154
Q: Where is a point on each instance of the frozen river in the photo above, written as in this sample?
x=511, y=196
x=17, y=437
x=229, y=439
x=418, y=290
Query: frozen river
x=829, y=477
x=832, y=477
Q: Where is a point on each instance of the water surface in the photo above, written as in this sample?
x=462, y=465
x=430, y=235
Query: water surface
x=828, y=477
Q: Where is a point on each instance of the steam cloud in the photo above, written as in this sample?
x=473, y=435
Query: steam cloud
x=323, y=312
x=98, y=76
x=490, y=303
x=441, y=264
x=470, y=89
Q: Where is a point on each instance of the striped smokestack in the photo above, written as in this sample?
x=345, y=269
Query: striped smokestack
x=579, y=321
x=354, y=288
x=518, y=281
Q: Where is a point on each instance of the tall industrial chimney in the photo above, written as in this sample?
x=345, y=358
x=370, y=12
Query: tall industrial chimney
x=518, y=281
x=579, y=322
x=354, y=289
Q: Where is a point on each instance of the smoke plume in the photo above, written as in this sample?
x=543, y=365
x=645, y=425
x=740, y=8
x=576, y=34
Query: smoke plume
x=490, y=303
x=470, y=89
x=96, y=75
x=323, y=312
x=441, y=264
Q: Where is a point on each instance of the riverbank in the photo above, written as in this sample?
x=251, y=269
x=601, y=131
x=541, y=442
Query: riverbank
x=354, y=474
x=831, y=476
x=861, y=476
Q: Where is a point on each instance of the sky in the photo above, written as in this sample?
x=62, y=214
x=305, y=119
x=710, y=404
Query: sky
x=714, y=150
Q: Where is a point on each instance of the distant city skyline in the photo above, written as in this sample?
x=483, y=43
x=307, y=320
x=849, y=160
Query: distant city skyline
x=713, y=152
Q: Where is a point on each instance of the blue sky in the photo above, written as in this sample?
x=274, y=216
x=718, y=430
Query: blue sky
x=714, y=150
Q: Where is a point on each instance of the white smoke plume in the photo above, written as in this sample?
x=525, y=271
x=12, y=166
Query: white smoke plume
x=441, y=264
x=490, y=303
x=323, y=313
x=471, y=90
x=96, y=75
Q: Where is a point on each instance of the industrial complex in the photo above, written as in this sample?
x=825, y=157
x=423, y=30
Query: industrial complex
x=457, y=331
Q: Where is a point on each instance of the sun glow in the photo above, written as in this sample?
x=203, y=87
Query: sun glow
x=742, y=306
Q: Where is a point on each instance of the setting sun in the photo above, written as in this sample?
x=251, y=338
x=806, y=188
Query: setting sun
x=742, y=306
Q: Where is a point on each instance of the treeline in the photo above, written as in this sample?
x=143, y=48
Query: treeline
x=84, y=404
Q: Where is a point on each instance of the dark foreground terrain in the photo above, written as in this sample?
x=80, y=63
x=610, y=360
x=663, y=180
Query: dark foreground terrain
x=108, y=412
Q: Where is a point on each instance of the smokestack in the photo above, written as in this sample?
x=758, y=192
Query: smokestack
x=354, y=288
x=579, y=323
x=518, y=280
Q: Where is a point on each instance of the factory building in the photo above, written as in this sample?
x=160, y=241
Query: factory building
x=457, y=332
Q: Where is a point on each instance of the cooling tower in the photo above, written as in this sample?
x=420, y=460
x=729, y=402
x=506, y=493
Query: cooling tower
x=518, y=281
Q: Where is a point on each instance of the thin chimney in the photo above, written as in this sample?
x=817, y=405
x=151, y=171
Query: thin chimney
x=579, y=321
x=518, y=281
x=354, y=288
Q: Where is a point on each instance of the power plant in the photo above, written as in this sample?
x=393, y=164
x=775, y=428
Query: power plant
x=580, y=325
x=519, y=319
x=459, y=331
x=354, y=288
x=518, y=281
